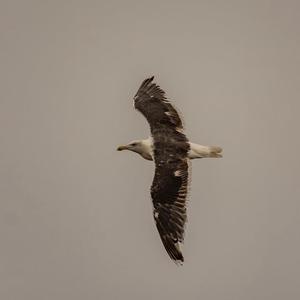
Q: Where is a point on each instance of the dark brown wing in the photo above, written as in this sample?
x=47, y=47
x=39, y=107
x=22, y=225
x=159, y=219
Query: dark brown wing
x=150, y=100
x=170, y=183
x=169, y=188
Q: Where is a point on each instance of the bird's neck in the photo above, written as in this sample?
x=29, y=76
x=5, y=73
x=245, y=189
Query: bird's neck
x=147, y=146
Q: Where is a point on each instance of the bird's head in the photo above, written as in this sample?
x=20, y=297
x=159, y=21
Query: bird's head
x=141, y=147
x=135, y=146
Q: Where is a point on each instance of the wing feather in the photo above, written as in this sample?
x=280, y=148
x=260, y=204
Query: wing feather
x=170, y=148
x=169, y=201
x=169, y=188
x=151, y=101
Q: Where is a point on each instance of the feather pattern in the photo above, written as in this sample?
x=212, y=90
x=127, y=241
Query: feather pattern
x=151, y=101
x=170, y=150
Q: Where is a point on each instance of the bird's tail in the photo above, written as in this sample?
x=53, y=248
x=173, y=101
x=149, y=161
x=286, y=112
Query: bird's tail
x=214, y=151
x=199, y=151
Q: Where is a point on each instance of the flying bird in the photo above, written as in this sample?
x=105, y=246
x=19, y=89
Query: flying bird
x=171, y=152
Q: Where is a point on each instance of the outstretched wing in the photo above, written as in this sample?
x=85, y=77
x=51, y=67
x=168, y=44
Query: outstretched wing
x=150, y=100
x=170, y=186
x=169, y=191
x=170, y=149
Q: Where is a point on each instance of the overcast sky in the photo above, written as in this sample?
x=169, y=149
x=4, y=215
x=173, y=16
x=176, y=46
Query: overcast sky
x=76, y=215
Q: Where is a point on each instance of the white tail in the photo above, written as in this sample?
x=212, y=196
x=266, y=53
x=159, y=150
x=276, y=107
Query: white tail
x=199, y=151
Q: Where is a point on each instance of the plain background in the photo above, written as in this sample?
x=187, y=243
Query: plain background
x=76, y=215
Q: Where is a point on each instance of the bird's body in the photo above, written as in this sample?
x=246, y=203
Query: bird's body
x=145, y=149
x=171, y=152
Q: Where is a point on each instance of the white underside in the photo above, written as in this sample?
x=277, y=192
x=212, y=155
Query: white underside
x=196, y=151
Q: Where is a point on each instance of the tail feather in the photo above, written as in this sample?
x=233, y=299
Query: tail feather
x=199, y=151
x=214, y=151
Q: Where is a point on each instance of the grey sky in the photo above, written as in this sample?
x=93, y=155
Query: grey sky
x=76, y=215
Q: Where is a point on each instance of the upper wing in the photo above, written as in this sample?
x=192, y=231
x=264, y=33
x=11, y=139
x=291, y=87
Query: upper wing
x=169, y=191
x=170, y=147
x=150, y=100
x=169, y=188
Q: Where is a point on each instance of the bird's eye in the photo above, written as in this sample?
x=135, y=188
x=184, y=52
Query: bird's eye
x=133, y=144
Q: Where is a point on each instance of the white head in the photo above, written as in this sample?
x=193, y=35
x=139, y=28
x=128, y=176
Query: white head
x=142, y=147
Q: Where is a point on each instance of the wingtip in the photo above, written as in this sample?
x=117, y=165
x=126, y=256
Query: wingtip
x=173, y=250
x=149, y=79
x=179, y=260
